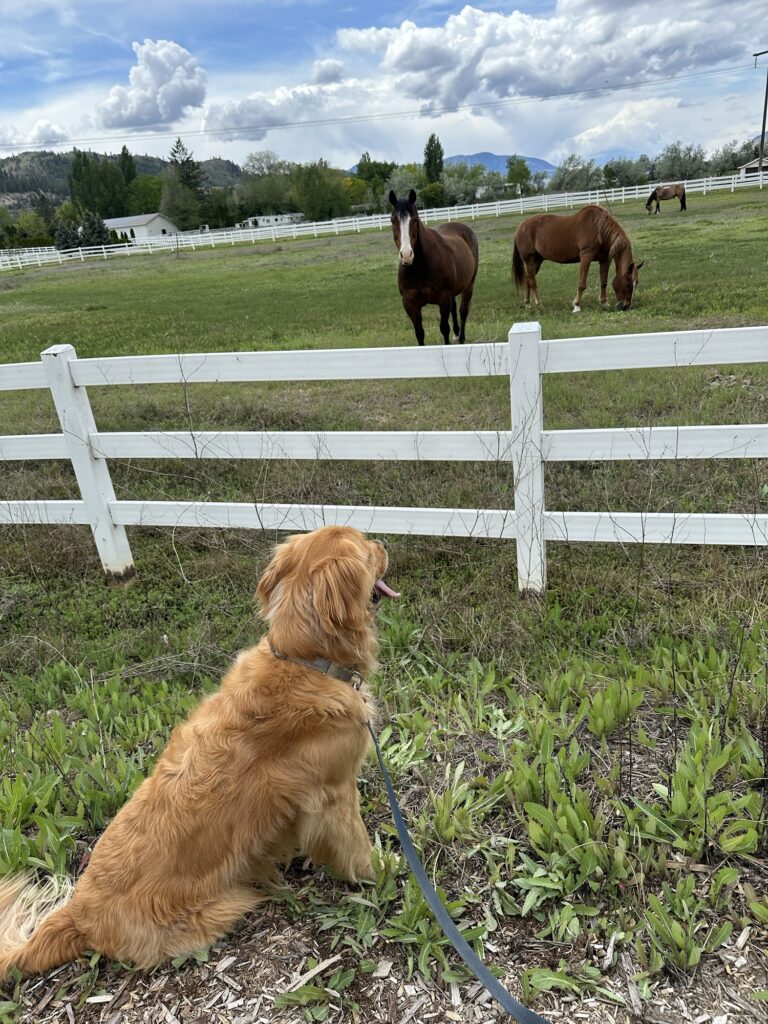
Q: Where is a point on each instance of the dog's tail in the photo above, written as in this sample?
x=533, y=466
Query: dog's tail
x=37, y=930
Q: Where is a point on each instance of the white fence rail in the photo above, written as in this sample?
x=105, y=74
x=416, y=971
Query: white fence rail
x=17, y=259
x=526, y=446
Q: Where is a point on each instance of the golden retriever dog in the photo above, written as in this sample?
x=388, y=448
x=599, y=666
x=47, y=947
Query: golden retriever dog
x=264, y=769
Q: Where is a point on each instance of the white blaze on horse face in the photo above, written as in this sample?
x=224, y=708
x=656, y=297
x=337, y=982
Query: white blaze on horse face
x=406, y=252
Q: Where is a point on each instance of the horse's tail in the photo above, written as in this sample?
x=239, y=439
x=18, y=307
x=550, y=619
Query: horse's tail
x=37, y=930
x=682, y=200
x=518, y=269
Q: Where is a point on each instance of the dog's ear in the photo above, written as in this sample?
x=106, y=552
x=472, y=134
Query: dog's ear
x=340, y=591
x=267, y=590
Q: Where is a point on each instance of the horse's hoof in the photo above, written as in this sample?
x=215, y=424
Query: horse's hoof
x=456, y=337
x=576, y=309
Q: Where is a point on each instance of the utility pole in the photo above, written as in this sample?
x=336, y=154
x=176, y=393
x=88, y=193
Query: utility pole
x=762, y=133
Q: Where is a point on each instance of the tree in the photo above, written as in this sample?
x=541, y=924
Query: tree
x=731, y=156
x=94, y=231
x=318, y=191
x=518, y=175
x=144, y=194
x=189, y=172
x=432, y=196
x=179, y=203
x=462, y=182
x=404, y=178
x=127, y=165
x=97, y=184
x=31, y=229
x=678, y=162
x=575, y=175
x=433, y=159
x=263, y=162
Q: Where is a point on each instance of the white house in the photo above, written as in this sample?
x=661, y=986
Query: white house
x=143, y=226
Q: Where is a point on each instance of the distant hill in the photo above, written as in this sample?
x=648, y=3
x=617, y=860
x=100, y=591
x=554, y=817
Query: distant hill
x=25, y=174
x=494, y=162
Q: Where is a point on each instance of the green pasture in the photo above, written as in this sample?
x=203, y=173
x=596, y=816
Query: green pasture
x=564, y=763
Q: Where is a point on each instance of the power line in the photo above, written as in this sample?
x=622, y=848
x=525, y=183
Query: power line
x=372, y=118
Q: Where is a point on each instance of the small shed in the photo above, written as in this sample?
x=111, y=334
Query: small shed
x=145, y=225
x=749, y=169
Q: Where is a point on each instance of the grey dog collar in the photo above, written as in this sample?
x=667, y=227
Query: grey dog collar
x=328, y=668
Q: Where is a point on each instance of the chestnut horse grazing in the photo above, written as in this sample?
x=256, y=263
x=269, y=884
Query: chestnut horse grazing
x=591, y=234
x=666, y=192
x=436, y=265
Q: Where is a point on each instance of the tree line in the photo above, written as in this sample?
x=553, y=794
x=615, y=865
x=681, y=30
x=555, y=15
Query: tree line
x=102, y=187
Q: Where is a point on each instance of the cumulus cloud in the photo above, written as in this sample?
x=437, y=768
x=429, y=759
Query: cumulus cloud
x=165, y=81
x=46, y=133
x=581, y=46
x=9, y=135
x=252, y=117
x=326, y=72
x=633, y=120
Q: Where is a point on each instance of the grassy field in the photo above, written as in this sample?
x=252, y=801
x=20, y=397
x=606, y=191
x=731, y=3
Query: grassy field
x=585, y=776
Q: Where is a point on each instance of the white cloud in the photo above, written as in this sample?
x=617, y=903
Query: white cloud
x=634, y=119
x=579, y=47
x=9, y=135
x=165, y=81
x=325, y=72
x=253, y=116
x=46, y=133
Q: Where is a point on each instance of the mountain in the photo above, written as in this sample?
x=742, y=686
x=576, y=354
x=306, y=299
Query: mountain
x=494, y=162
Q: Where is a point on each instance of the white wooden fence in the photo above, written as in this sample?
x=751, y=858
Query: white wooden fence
x=17, y=259
x=526, y=445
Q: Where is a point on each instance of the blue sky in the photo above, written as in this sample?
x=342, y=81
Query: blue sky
x=229, y=78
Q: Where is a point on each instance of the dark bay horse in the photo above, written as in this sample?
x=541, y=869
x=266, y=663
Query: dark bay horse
x=436, y=265
x=666, y=192
x=591, y=234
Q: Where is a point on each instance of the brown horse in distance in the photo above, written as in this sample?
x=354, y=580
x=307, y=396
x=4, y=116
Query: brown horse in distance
x=666, y=192
x=591, y=234
x=436, y=265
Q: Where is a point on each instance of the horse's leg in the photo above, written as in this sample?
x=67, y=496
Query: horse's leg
x=604, y=268
x=414, y=312
x=584, y=263
x=532, y=265
x=658, y=207
x=466, y=298
x=457, y=335
x=445, y=312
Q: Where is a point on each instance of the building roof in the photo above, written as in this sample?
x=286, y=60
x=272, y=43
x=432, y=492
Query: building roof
x=133, y=222
x=753, y=163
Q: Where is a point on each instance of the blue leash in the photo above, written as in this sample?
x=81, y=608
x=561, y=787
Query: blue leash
x=516, y=1010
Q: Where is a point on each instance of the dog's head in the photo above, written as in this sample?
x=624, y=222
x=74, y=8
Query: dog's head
x=318, y=593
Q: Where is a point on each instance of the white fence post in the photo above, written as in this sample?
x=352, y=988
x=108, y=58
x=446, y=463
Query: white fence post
x=527, y=462
x=77, y=425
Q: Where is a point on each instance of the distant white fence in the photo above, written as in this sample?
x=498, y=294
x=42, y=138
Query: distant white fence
x=526, y=445
x=17, y=259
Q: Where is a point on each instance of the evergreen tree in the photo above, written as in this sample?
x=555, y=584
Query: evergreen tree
x=189, y=172
x=127, y=165
x=94, y=231
x=433, y=158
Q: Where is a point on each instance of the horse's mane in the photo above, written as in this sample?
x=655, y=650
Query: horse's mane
x=612, y=234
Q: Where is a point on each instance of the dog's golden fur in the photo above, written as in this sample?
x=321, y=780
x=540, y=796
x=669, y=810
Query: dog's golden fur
x=262, y=770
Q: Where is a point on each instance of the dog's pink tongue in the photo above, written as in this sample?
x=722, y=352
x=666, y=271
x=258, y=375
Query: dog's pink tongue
x=384, y=590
